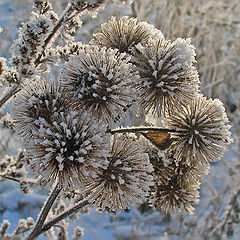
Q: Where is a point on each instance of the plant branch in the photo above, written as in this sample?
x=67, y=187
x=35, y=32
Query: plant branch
x=10, y=178
x=141, y=129
x=9, y=94
x=44, y=212
x=16, y=87
x=67, y=13
x=65, y=17
x=65, y=214
x=31, y=181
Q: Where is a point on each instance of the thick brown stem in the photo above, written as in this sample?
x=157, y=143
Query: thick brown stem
x=44, y=212
x=67, y=13
x=65, y=214
x=141, y=129
x=15, y=88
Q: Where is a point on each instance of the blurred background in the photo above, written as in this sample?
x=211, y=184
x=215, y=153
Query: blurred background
x=214, y=27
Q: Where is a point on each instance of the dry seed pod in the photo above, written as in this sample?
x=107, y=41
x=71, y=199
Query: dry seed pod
x=126, y=180
x=167, y=75
x=69, y=150
x=124, y=34
x=201, y=131
x=101, y=81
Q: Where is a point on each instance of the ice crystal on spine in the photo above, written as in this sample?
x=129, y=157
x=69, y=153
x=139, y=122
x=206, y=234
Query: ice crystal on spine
x=124, y=33
x=80, y=5
x=203, y=133
x=101, y=81
x=172, y=194
x=2, y=65
x=40, y=99
x=30, y=41
x=192, y=173
x=125, y=181
x=69, y=150
x=167, y=75
x=3, y=70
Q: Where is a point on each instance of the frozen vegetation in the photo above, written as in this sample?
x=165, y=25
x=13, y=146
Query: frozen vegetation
x=119, y=119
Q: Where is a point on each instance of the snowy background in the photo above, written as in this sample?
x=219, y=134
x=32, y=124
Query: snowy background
x=214, y=27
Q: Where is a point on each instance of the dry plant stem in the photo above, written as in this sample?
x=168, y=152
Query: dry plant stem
x=228, y=214
x=141, y=129
x=10, y=178
x=67, y=13
x=16, y=180
x=16, y=87
x=9, y=94
x=65, y=214
x=44, y=212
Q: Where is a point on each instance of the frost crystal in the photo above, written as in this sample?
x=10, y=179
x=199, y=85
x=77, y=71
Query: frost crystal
x=69, y=150
x=40, y=99
x=202, y=131
x=172, y=193
x=125, y=181
x=167, y=75
x=101, y=82
x=124, y=34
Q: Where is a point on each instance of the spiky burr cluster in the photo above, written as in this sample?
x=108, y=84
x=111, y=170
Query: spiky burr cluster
x=124, y=34
x=71, y=149
x=167, y=75
x=175, y=189
x=126, y=180
x=65, y=125
x=173, y=195
x=101, y=80
x=40, y=99
x=202, y=133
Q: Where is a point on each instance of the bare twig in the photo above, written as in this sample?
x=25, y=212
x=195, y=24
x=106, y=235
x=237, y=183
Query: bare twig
x=65, y=214
x=141, y=129
x=228, y=214
x=15, y=88
x=30, y=181
x=66, y=14
x=44, y=212
x=10, y=178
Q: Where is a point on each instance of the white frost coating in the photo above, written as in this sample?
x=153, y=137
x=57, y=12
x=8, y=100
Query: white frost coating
x=128, y=34
x=31, y=37
x=167, y=74
x=103, y=89
x=127, y=178
x=205, y=133
x=186, y=51
x=65, y=150
x=218, y=105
